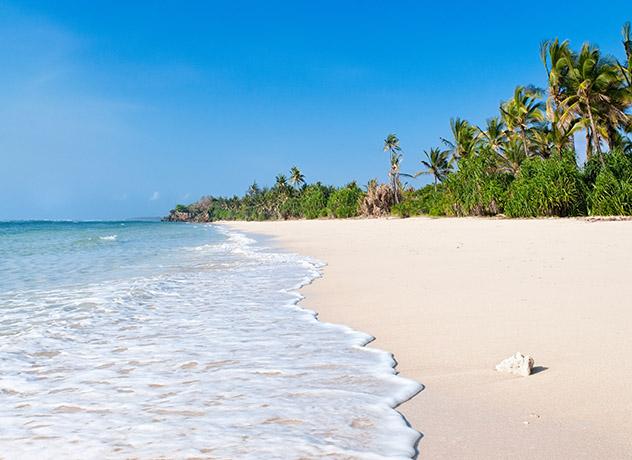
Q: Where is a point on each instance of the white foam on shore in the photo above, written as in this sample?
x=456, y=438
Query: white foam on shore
x=211, y=361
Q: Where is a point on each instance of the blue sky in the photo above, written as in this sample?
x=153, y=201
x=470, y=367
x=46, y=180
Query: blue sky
x=122, y=109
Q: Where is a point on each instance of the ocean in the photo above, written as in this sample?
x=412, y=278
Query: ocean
x=163, y=340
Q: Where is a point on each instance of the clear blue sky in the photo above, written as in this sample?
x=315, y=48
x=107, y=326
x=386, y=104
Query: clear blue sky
x=121, y=109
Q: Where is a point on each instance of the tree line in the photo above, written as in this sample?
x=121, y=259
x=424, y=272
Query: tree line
x=522, y=162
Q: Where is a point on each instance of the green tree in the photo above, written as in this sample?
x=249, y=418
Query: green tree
x=495, y=134
x=626, y=68
x=511, y=156
x=297, y=179
x=314, y=201
x=522, y=112
x=345, y=201
x=391, y=145
x=437, y=164
x=594, y=84
x=558, y=59
x=465, y=138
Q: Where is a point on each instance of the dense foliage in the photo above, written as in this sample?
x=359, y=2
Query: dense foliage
x=282, y=201
x=550, y=187
x=522, y=163
x=344, y=202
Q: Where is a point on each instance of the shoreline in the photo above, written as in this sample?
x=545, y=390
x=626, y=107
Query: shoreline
x=430, y=302
x=368, y=340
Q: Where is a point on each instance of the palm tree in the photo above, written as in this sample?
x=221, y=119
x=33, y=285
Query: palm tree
x=254, y=189
x=557, y=59
x=465, y=138
x=562, y=135
x=594, y=86
x=437, y=163
x=495, y=134
x=281, y=183
x=296, y=177
x=512, y=156
x=626, y=69
x=541, y=141
x=391, y=145
x=521, y=113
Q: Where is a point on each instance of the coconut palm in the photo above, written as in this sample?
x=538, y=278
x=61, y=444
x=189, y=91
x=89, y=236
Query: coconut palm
x=281, y=184
x=511, y=156
x=594, y=88
x=254, y=189
x=561, y=136
x=557, y=59
x=540, y=141
x=465, y=138
x=615, y=117
x=626, y=69
x=522, y=112
x=296, y=177
x=391, y=145
x=495, y=133
x=437, y=164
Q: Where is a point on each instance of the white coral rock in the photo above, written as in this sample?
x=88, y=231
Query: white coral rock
x=517, y=364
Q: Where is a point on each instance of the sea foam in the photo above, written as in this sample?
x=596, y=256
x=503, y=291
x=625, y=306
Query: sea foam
x=213, y=359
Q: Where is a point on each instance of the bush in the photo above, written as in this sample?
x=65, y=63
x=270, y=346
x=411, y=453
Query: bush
x=551, y=187
x=477, y=188
x=612, y=190
x=610, y=196
x=344, y=202
x=378, y=200
x=313, y=201
x=291, y=208
x=425, y=201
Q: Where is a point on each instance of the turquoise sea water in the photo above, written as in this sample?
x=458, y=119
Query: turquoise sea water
x=149, y=339
x=50, y=254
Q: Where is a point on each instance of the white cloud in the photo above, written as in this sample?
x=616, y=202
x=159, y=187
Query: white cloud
x=155, y=196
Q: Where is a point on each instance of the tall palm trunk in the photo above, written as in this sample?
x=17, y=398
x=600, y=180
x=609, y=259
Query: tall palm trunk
x=612, y=137
x=568, y=143
x=589, y=142
x=523, y=136
x=394, y=183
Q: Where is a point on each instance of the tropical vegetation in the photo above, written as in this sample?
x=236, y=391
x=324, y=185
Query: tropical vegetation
x=523, y=162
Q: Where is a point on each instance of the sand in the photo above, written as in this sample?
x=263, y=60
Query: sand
x=453, y=297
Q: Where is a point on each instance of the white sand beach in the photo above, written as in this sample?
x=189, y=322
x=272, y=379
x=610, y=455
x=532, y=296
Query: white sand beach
x=453, y=297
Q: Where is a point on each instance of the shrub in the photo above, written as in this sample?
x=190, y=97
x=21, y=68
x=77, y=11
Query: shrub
x=344, y=202
x=313, y=201
x=291, y=208
x=378, y=200
x=610, y=196
x=477, y=188
x=612, y=190
x=425, y=201
x=551, y=187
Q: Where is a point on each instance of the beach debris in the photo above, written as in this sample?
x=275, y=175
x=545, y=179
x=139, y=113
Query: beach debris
x=517, y=364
